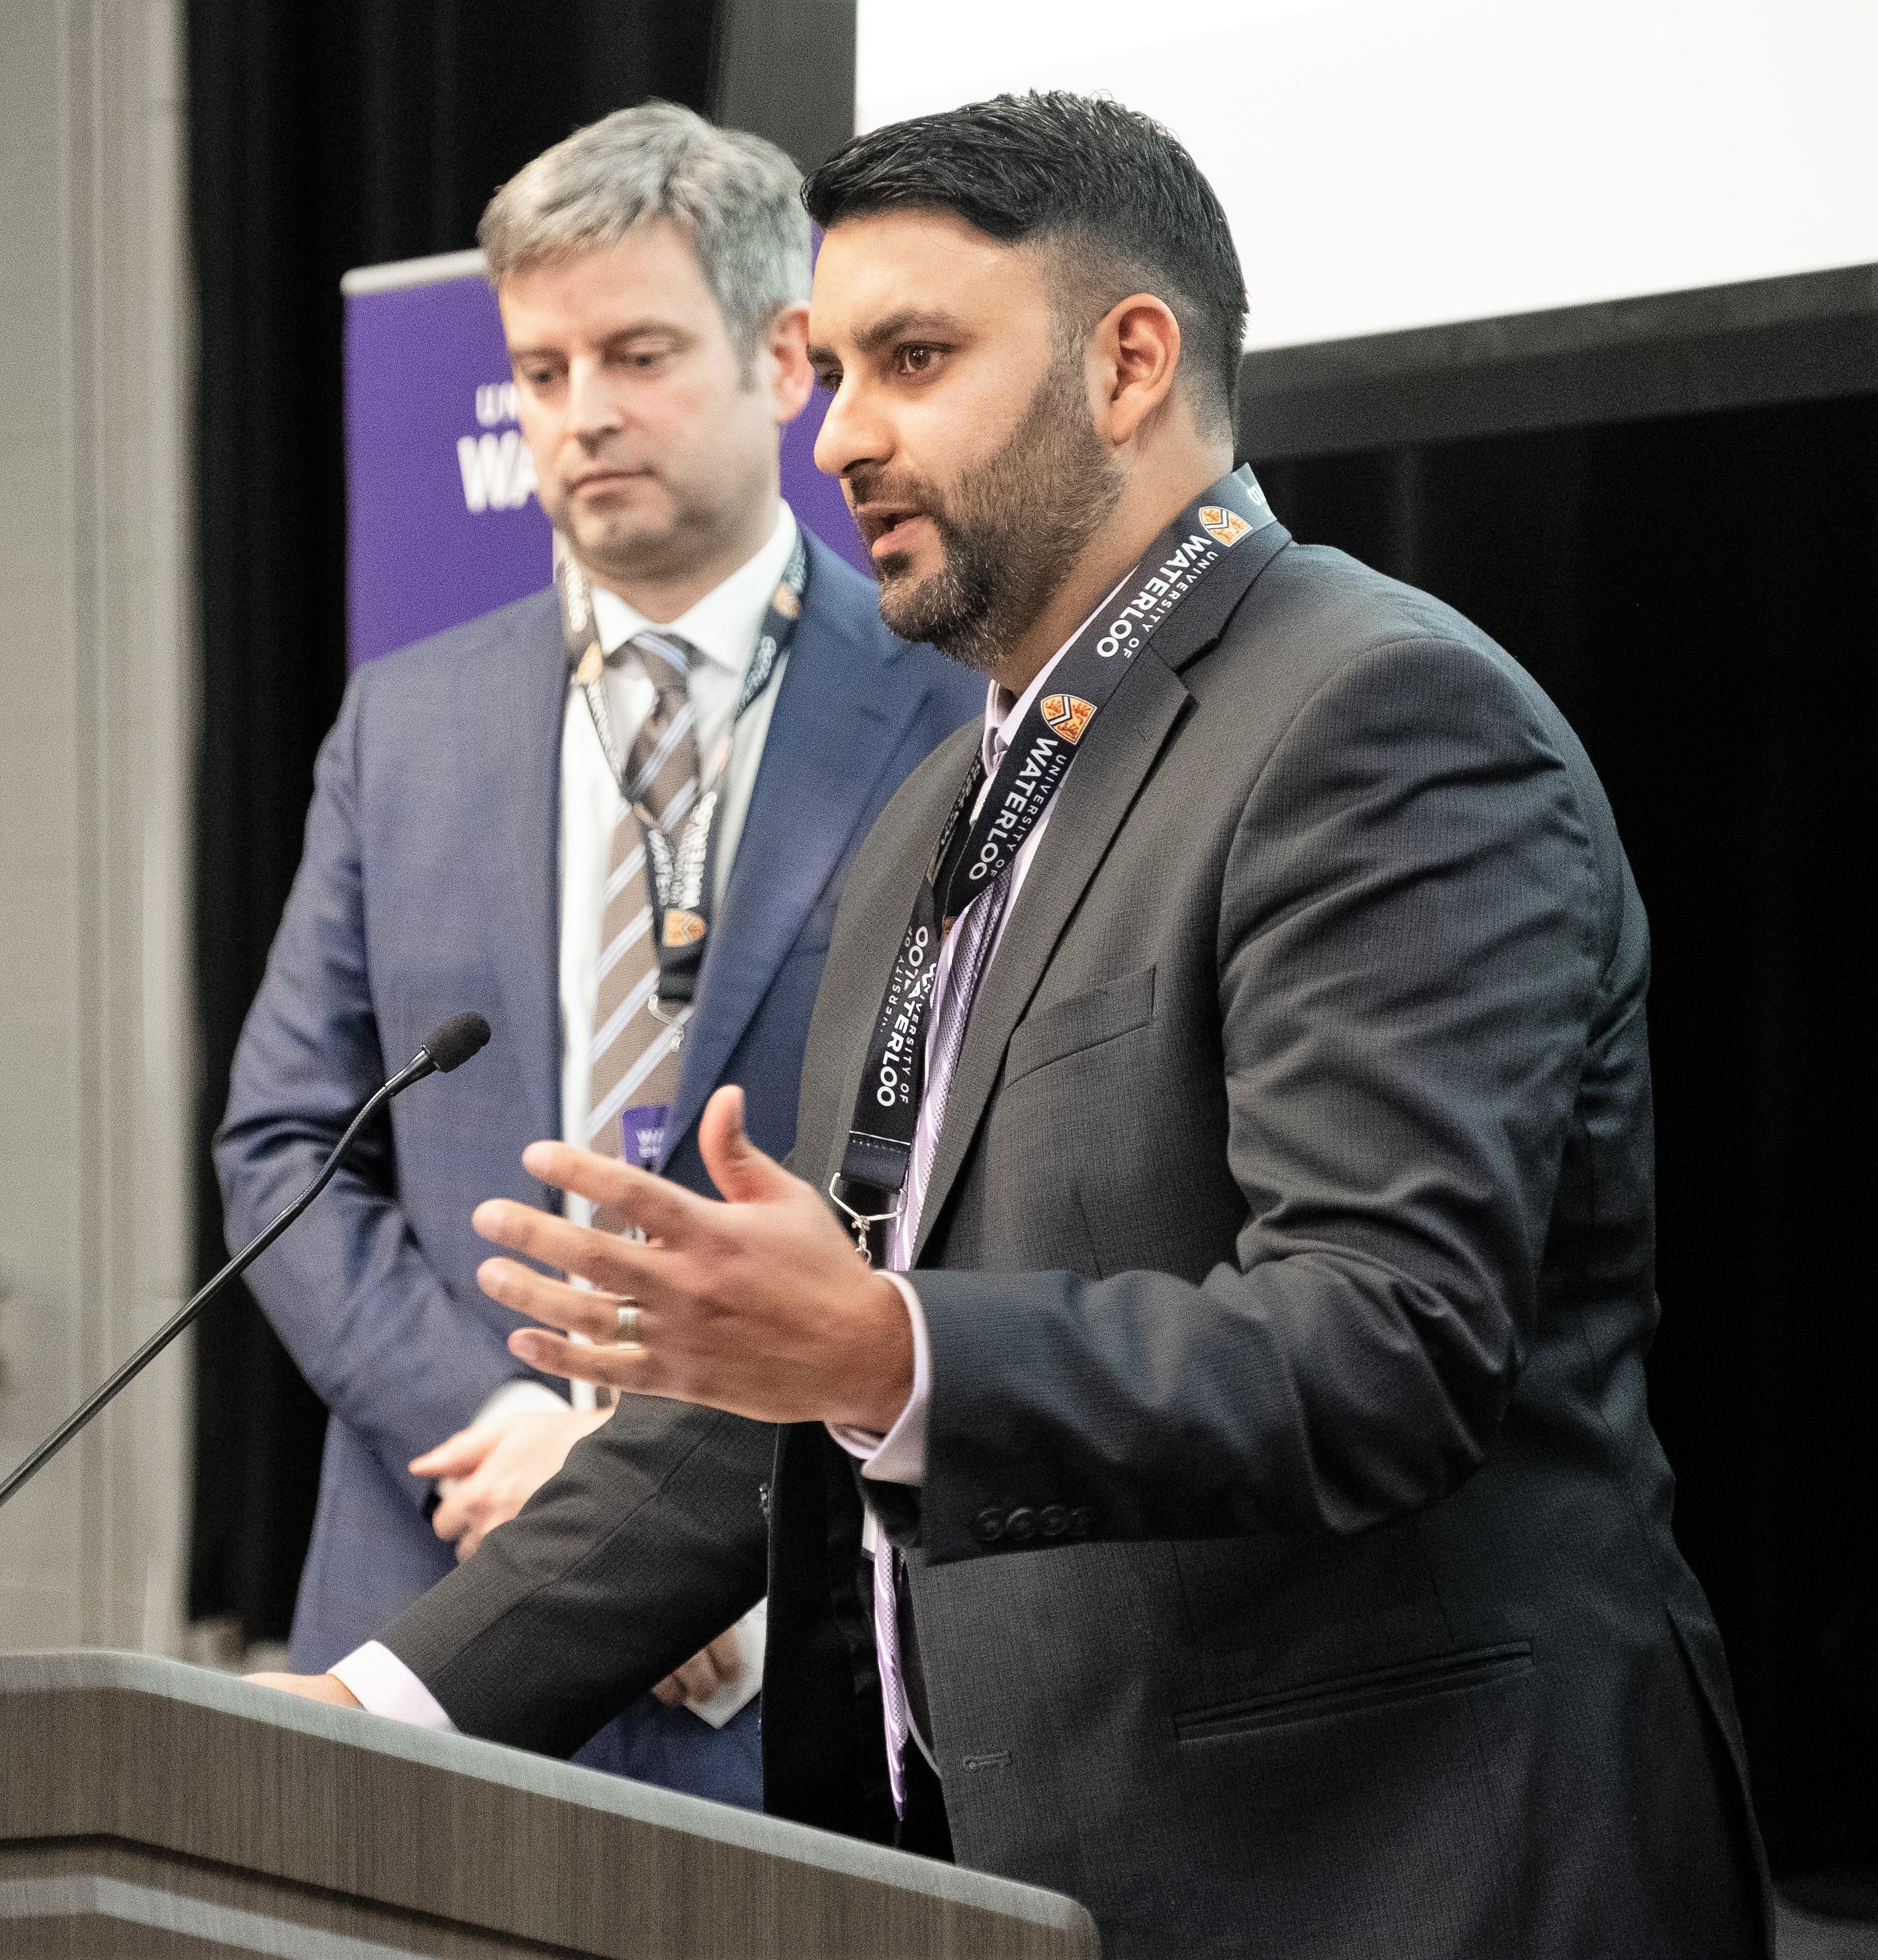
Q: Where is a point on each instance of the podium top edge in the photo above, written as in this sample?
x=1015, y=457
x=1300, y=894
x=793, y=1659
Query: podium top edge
x=104, y=1670
x=398, y=274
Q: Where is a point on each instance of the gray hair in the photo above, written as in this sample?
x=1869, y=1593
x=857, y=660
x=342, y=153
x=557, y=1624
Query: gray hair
x=736, y=197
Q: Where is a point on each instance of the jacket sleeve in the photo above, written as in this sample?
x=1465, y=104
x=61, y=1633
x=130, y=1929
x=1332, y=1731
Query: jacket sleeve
x=367, y=1319
x=650, y=1542
x=1406, y=967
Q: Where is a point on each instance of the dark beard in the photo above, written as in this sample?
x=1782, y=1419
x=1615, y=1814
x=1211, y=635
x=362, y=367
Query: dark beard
x=1011, y=531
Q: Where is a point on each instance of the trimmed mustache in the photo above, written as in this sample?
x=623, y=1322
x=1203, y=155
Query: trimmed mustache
x=879, y=499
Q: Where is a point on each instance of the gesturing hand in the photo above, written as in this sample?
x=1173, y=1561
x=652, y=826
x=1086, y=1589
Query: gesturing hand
x=494, y=1468
x=757, y=1305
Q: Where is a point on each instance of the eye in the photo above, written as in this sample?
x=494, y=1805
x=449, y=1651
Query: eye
x=828, y=378
x=916, y=356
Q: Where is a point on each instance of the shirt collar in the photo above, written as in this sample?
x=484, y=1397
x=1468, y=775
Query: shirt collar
x=724, y=624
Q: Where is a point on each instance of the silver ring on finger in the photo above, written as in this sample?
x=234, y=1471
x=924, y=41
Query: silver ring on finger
x=626, y=1323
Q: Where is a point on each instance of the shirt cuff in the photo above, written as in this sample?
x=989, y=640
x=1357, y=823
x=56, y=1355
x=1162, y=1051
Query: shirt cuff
x=899, y=1457
x=513, y=1398
x=382, y=1684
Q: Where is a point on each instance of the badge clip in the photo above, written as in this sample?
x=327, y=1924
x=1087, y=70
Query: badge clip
x=675, y=1021
x=859, y=1222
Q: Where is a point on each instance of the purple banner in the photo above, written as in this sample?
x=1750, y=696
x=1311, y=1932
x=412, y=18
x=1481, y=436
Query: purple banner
x=442, y=522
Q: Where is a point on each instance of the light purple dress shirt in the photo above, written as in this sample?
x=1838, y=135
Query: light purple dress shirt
x=899, y=1457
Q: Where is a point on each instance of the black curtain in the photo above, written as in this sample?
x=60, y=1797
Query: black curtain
x=1700, y=595
x=323, y=136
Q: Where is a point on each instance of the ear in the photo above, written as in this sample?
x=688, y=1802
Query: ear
x=786, y=346
x=1134, y=353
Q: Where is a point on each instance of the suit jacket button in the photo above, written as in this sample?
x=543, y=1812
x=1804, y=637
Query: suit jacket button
x=1053, y=1520
x=988, y=1527
x=1021, y=1524
x=1082, y=1521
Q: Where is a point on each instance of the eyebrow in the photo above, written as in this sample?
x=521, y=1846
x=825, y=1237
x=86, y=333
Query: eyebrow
x=895, y=326
x=637, y=330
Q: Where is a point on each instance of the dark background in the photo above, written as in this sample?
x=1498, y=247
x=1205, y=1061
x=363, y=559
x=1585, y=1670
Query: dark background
x=1697, y=590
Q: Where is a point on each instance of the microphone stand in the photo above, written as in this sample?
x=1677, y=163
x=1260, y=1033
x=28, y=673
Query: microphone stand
x=420, y=1066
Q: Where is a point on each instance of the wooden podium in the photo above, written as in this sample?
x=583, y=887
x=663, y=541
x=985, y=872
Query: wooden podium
x=150, y=1811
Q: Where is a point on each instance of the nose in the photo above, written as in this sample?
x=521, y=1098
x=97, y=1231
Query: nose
x=593, y=414
x=853, y=432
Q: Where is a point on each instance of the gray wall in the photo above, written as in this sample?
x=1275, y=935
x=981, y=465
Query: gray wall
x=95, y=734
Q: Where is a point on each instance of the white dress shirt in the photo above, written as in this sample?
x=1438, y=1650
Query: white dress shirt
x=722, y=629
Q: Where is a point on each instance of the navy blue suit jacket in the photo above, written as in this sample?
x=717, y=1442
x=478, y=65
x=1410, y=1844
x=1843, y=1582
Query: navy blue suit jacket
x=428, y=885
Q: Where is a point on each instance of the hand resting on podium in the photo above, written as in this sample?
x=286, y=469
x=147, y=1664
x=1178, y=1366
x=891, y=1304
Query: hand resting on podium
x=310, y=1688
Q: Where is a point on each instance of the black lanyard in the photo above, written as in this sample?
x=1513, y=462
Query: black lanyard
x=975, y=849
x=679, y=867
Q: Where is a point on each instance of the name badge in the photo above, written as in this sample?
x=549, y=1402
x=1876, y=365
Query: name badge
x=642, y=1133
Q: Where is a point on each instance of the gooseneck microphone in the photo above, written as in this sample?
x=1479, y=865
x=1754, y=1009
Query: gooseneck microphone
x=448, y=1046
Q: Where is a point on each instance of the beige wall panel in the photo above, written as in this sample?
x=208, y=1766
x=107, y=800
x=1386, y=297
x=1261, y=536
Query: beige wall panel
x=95, y=667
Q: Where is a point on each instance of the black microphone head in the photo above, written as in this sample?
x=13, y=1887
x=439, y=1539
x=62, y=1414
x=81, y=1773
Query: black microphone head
x=454, y=1041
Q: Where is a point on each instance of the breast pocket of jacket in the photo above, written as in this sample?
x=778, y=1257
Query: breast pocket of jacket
x=1084, y=1021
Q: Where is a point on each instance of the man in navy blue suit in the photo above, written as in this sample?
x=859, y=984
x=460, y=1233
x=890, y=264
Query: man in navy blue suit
x=614, y=817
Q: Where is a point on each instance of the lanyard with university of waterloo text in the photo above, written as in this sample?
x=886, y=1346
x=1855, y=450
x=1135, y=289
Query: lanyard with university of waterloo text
x=679, y=865
x=981, y=837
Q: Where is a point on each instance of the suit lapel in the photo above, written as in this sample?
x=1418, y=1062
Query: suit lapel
x=833, y=731
x=512, y=739
x=1120, y=750
x=1118, y=753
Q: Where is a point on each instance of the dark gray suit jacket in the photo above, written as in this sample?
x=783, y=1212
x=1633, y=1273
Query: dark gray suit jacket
x=1293, y=1571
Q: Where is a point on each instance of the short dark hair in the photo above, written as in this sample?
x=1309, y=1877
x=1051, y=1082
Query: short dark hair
x=1120, y=197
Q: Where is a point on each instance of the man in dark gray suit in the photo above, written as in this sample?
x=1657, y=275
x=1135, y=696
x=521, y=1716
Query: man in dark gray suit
x=1245, y=1090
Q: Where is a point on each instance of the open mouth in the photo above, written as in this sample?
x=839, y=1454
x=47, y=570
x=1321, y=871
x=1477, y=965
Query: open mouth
x=888, y=528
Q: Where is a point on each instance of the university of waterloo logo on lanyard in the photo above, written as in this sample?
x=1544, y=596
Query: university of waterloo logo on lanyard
x=1069, y=715
x=1226, y=526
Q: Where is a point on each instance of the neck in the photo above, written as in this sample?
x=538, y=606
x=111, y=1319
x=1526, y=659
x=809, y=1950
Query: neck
x=662, y=593
x=1145, y=509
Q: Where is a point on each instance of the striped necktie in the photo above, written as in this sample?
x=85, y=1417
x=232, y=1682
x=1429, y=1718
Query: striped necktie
x=633, y=1060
